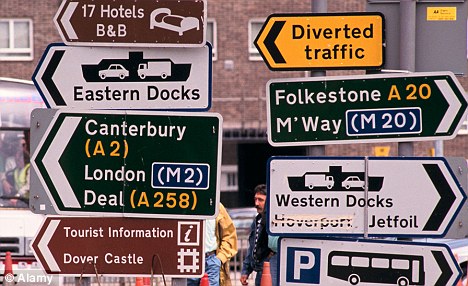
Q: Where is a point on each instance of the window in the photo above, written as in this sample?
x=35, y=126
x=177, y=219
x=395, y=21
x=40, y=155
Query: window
x=211, y=36
x=340, y=261
x=16, y=43
x=229, y=178
x=360, y=261
x=254, y=27
x=400, y=264
x=464, y=128
x=380, y=263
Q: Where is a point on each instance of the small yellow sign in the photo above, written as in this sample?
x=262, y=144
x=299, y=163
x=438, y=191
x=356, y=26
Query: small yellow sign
x=382, y=151
x=322, y=41
x=441, y=13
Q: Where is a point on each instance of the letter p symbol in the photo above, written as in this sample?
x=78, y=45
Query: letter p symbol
x=301, y=263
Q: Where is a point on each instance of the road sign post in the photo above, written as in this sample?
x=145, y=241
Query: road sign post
x=375, y=196
x=362, y=109
x=114, y=246
x=143, y=164
x=345, y=262
x=322, y=41
x=137, y=23
x=125, y=78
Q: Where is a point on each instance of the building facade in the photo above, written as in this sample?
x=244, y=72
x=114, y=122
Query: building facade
x=239, y=82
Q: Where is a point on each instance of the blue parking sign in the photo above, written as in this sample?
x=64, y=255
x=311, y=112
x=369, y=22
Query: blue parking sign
x=303, y=265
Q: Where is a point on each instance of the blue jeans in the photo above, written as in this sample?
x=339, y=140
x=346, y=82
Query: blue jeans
x=212, y=268
x=273, y=271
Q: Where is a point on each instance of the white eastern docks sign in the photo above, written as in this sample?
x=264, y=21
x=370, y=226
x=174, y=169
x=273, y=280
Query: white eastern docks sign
x=125, y=78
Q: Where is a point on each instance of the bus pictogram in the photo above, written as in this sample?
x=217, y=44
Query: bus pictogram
x=381, y=268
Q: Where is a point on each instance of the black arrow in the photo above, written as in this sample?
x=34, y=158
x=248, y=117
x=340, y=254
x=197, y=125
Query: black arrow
x=444, y=268
x=447, y=197
x=270, y=42
x=49, y=73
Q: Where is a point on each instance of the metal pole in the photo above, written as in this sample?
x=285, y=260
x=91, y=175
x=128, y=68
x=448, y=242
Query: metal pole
x=366, y=197
x=407, y=53
x=318, y=6
x=439, y=148
x=408, y=35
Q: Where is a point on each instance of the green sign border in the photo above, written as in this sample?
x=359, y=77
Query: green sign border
x=432, y=108
x=202, y=143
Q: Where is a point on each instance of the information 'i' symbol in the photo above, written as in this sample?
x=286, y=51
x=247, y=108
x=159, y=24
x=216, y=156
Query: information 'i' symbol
x=187, y=234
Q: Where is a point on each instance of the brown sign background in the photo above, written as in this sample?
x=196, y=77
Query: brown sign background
x=103, y=17
x=179, y=255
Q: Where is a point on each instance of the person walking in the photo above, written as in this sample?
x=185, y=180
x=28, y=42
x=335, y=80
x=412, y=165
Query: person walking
x=258, y=251
x=220, y=246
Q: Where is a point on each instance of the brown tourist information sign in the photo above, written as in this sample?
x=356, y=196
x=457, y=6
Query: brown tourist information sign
x=132, y=23
x=116, y=246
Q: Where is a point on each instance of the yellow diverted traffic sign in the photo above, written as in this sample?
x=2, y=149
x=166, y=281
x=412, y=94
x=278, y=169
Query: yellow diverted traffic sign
x=322, y=41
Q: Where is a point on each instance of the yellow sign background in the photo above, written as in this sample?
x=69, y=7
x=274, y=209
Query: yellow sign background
x=441, y=13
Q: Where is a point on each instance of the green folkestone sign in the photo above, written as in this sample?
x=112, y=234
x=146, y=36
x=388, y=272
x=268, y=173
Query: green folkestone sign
x=128, y=163
x=362, y=109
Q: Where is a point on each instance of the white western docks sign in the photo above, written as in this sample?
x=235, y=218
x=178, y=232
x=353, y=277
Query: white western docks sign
x=389, y=196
